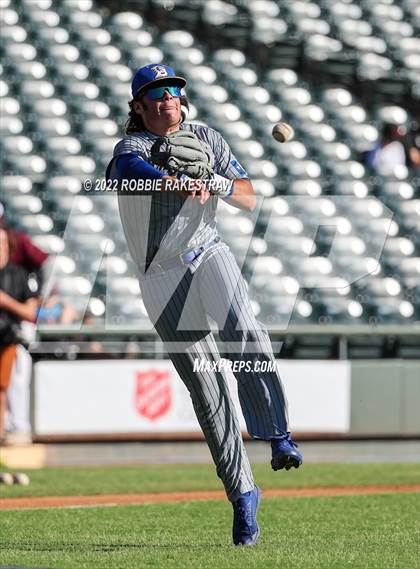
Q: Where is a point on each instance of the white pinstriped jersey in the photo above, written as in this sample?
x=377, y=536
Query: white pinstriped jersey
x=161, y=225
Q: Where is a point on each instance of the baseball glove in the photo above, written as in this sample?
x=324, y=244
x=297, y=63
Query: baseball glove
x=181, y=152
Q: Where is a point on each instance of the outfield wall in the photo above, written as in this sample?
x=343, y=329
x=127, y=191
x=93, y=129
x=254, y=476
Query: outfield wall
x=146, y=398
x=385, y=397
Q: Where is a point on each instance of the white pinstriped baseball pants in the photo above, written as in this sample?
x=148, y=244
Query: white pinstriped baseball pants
x=178, y=302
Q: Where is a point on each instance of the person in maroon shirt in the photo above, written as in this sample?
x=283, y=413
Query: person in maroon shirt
x=17, y=303
x=25, y=256
x=26, y=253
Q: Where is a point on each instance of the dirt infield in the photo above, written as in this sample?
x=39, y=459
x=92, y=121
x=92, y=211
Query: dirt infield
x=171, y=497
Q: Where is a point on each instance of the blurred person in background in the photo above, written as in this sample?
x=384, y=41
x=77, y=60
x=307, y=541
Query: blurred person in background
x=412, y=141
x=53, y=310
x=388, y=152
x=34, y=261
x=17, y=303
x=26, y=253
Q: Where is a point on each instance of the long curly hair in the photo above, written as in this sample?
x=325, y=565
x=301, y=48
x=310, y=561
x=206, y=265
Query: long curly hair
x=135, y=123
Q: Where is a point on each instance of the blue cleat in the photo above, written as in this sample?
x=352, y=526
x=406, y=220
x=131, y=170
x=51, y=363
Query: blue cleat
x=245, y=527
x=284, y=453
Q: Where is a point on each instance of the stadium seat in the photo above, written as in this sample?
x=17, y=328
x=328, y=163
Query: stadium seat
x=51, y=244
x=38, y=223
x=16, y=185
x=25, y=205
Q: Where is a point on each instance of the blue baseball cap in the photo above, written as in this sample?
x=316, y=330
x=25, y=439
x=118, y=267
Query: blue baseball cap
x=153, y=74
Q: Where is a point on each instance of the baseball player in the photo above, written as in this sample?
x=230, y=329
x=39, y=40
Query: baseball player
x=187, y=274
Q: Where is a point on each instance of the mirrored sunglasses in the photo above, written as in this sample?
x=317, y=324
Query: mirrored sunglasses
x=158, y=92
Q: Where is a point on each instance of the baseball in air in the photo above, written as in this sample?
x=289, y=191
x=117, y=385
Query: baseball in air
x=282, y=132
x=21, y=478
x=6, y=478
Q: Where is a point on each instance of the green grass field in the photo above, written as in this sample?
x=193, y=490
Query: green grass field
x=363, y=532
x=67, y=481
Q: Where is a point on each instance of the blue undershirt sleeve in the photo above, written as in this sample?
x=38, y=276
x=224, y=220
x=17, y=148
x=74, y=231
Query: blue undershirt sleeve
x=132, y=167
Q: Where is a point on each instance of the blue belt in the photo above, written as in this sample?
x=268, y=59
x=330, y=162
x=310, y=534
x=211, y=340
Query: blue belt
x=184, y=259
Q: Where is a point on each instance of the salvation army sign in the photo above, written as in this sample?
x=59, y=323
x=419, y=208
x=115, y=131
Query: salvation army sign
x=153, y=396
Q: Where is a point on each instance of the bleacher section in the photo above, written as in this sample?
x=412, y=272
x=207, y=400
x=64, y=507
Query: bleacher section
x=66, y=72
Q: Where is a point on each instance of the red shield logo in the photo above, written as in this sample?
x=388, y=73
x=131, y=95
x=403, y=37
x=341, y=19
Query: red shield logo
x=153, y=395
